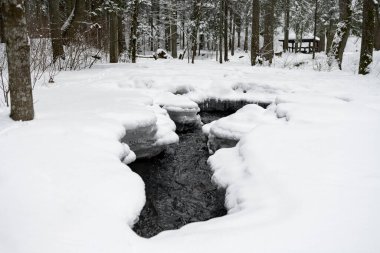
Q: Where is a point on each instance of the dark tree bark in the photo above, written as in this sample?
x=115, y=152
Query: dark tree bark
x=286, y=27
x=233, y=38
x=377, y=28
x=329, y=36
x=167, y=28
x=113, y=37
x=245, y=47
x=226, y=4
x=194, y=36
x=368, y=27
x=18, y=54
x=255, y=42
x=2, y=39
x=122, y=45
x=238, y=29
x=134, y=30
x=322, y=41
x=268, y=30
x=342, y=32
x=55, y=30
x=77, y=21
x=221, y=24
x=173, y=29
x=315, y=27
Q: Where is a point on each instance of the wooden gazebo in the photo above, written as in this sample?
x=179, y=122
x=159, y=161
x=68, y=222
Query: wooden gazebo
x=301, y=47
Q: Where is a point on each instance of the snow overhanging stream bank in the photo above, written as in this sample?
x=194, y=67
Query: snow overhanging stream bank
x=178, y=181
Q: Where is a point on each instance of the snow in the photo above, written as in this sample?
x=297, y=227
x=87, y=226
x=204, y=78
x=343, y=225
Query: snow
x=240, y=123
x=307, y=180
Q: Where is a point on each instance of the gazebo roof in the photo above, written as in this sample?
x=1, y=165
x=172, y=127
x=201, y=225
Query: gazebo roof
x=291, y=40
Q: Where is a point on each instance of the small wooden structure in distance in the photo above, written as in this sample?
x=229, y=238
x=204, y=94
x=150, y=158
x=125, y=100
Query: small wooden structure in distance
x=308, y=49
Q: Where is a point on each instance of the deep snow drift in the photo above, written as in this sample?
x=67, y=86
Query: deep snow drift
x=307, y=182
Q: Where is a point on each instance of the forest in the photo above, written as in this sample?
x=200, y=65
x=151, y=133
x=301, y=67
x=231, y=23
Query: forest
x=189, y=126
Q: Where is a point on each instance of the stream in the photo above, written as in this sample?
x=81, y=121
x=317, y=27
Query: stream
x=178, y=185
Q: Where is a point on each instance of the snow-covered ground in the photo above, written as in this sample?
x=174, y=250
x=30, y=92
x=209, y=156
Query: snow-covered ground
x=307, y=182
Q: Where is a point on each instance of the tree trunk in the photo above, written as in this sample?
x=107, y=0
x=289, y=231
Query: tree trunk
x=238, y=29
x=255, y=42
x=233, y=38
x=173, y=29
x=194, y=36
x=134, y=29
x=329, y=37
x=268, y=30
x=286, y=28
x=55, y=30
x=18, y=55
x=122, y=45
x=226, y=30
x=368, y=27
x=342, y=32
x=221, y=31
x=2, y=38
x=113, y=37
x=246, y=37
x=77, y=23
x=322, y=41
x=377, y=28
x=315, y=28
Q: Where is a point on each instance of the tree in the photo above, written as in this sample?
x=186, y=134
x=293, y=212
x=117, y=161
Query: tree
x=18, y=54
x=173, y=29
x=76, y=22
x=225, y=33
x=255, y=41
x=267, y=49
x=342, y=31
x=377, y=27
x=114, y=37
x=195, y=26
x=315, y=27
x=368, y=28
x=134, y=29
x=55, y=30
x=286, y=27
x=220, y=31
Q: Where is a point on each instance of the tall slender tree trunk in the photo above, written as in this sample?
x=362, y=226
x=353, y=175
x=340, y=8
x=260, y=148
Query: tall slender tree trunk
x=226, y=4
x=255, y=42
x=122, y=45
x=173, y=29
x=286, y=27
x=2, y=38
x=269, y=30
x=342, y=32
x=322, y=40
x=113, y=37
x=134, y=30
x=245, y=47
x=55, y=30
x=315, y=28
x=238, y=29
x=196, y=18
x=329, y=36
x=377, y=28
x=368, y=27
x=221, y=24
x=233, y=38
x=18, y=54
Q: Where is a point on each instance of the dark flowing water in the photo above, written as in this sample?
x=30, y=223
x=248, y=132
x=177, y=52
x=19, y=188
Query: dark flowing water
x=178, y=185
